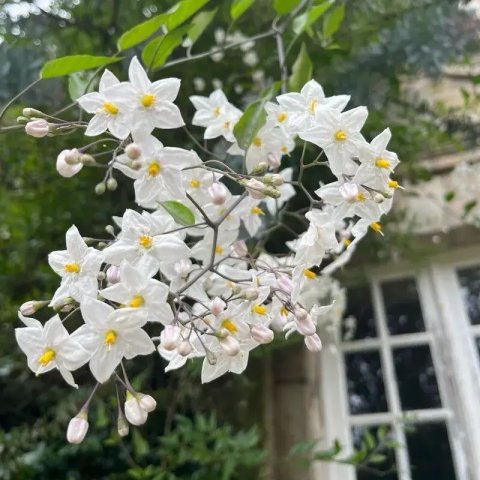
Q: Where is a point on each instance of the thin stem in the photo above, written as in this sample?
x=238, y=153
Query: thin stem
x=17, y=96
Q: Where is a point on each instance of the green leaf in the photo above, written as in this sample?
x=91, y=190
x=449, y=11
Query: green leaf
x=199, y=23
x=180, y=213
x=333, y=21
x=369, y=440
x=449, y=196
x=307, y=19
x=74, y=63
x=182, y=12
x=301, y=70
x=283, y=7
x=159, y=49
x=78, y=83
x=239, y=7
x=140, y=32
x=377, y=458
x=253, y=119
x=140, y=445
x=468, y=207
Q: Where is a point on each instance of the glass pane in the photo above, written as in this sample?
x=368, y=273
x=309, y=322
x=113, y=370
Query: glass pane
x=429, y=452
x=416, y=378
x=366, y=392
x=359, y=321
x=377, y=469
x=402, y=307
x=469, y=279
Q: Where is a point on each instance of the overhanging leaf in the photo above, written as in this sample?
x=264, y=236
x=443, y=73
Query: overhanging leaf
x=74, y=63
x=301, y=70
x=283, y=7
x=199, y=23
x=239, y=7
x=179, y=212
x=159, y=49
x=182, y=12
x=307, y=19
x=333, y=21
x=140, y=32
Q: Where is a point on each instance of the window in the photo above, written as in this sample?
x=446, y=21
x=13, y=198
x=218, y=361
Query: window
x=410, y=360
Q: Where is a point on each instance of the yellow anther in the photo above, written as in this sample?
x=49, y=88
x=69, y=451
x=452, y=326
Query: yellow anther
x=309, y=274
x=257, y=211
x=46, y=357
x=110, y=338
x=347, y=242
x=229, y=325
x=226, y=125
x=72, y=267
x=136, y=301
x=360, y=197
x=217, y=111
x=259, y=309
x=340, y=135
x=312, y=105
x=284, y=311
x=393, y=184
x=281, y=117
x=194, y=183
x=376, y=227
x=257, y=141
x=145, y=241
x=110, y=108
x=147, y=100
x=153, y=169
x=218, y=249
x=284, y=149
x=382, y=163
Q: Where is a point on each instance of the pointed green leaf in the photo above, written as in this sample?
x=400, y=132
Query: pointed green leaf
x=283, y=7
x=199, y=23
x=74, y=63
x=449, y=196
x=301, y=70
x=239, y=7
x=80, y=83
x=183, y=11
x=159, y=49
x=140, y=32
x=333, y=21
x=307, y=19
x=180, y=213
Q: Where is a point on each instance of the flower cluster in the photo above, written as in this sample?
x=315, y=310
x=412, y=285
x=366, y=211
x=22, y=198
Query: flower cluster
x=187, y=274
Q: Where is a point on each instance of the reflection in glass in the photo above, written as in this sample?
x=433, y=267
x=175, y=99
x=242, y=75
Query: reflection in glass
x=429, y=452
x=416, y=379
x=402, y=306
x=359, y=320
x=385, y=470
x=366, y=392
x=469, y=279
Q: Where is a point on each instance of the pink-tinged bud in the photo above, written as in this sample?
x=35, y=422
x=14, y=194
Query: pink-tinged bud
x=122, y=425
x=137, y=164
x=185, y=348
x=77, y=428
x=313, y=342
x=147, y=402
x=217, y=306
x=113, y=274
x=135, y=414
x=261, y=334
x=32, y=306
x=255, y=188
x=230, y=345
x=305, y=325
x=285, y=284
x=133, y=151
x=218, y=193
x=66, y=169
x=37, y=128
x=274, y=160
x=277, y=180
x=349, y=192
x=182, y=267
x=240, y=248
x=301, y=314
x=170, y=337
x=250, y=293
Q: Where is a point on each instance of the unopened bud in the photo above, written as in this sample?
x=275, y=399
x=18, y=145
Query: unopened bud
x=147, y=402
x=305, y=325
x=133, y=151
x=378, y=198
x=100, y=188
x=137, y=164
x=217, y=306
x=218, y=193
x=272, y=192
x=101, y=245
x=285, y=284
x=112, y=184
x=313, y=342
x=113, y=274
x=230, y=345
x=277, y=180
x=30, y=307
x=110, y=230
x=274, y=160
x=388, y=194
x=260, y=168
x=236, y=289
x=122, y=425
x=101, y=276
x=32, y=112
x=255, y=188
x=72, y=157
x=77, y=428
x=23, y=120
x=135, y=414
x=37, y=128
x=262, y=334
x=170, y=337
x=67, y=169
x=250, y=293
x=185, y=348
x=86, y=159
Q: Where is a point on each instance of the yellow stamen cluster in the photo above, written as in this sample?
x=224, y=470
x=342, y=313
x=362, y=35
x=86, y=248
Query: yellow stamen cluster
x=226, y=125
x=257, y=211
x=229, y=325
x=136, y=301
x=145, y=241
x=194, y=183
x=110, y=338
x=340, y=135
x=309, y=274
x=281, y=117
x=46, y=357
x=217, y=111
x=360, y=197
x=72, y=267
x=312, y=105
x=347, y=242
x=153, y=169
x=257, y=141
x=218, y=249
x=284, y=149
x=147, y=100
x=376, y=227
x=259, y=309
x=393, y=184
x=382, y=163
x=283, y=311
x=110, y=108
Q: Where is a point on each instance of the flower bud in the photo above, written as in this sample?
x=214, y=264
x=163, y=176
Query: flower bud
x=378, y=198
x=313, y=342
x=23, y=120
x=66, y=169
x=137, y=164
x=230, y=345
x=37, y=128
x=32, y=112
x=77, y=428
x=100, y=276
x=100, y=188
x=260, y=168
x=250, y=293
x=305, y=324
x=170, y=337
x=285, y=284
x=147, y=402
x=255, y=188
x=211, y=357
x=277, y=180
x=133, y=151
x=218, y=193
x=122, y=425
x=112, y=184
x=110, y=230
x=30, y=307
x=135, y=414
x=349, y=191
x=272, y=192
x=185, y=348
x=217, y=306
x=86, y=159
x=236, y=289
x=113, y=274
x=72, y=157
x=274, y=160
x=261, y=334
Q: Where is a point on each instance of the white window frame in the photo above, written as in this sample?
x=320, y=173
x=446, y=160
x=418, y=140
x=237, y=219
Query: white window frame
x=455, y=357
